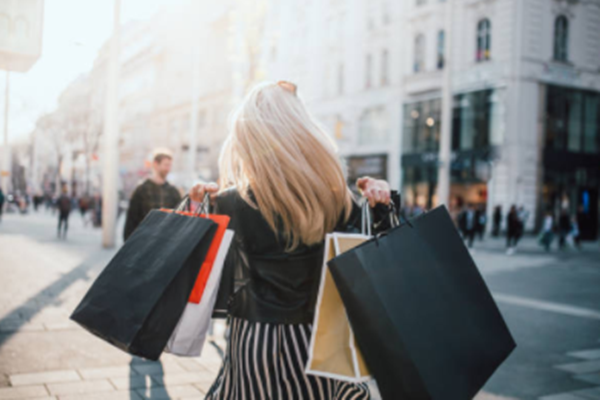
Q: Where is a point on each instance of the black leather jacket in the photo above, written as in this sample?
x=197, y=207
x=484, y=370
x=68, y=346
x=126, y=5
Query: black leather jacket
x=263, y=283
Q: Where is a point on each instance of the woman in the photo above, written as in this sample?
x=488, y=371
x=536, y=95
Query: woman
x=283, y=187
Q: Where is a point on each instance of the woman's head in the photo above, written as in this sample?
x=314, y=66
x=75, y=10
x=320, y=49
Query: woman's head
x=276, y=148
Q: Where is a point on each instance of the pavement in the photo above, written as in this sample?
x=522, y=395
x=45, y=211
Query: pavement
x=551, y=303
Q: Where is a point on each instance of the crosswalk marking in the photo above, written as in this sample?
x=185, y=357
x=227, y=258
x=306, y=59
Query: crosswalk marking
x=548, y=306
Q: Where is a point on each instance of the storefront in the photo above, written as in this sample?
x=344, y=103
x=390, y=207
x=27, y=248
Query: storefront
x=571, y=157
x=477, y=130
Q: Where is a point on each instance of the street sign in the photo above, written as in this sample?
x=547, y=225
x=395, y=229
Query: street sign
x=21, y=24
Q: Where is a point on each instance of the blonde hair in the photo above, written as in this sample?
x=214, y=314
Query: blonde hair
x=277, y=150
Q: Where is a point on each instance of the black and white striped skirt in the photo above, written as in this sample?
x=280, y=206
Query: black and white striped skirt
x=266, y=361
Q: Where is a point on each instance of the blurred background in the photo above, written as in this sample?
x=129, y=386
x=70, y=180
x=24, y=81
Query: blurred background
x=480, y=105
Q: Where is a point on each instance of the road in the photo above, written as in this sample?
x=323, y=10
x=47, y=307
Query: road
x=551, y=303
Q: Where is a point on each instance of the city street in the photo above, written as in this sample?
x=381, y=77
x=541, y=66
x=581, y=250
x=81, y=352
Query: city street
x=550, y=301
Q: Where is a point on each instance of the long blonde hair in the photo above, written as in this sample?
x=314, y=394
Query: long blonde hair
x=277, y=150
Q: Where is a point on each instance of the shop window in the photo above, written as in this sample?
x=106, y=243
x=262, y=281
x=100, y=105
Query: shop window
x=572, y=120
x=591, y=124
x=484, y=32
x=422, y=127
x=561, y=38
x=475, y=120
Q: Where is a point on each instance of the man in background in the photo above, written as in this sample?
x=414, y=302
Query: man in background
x=1, y=203
x=468, y=224
x=155, y=192
x=63, y=204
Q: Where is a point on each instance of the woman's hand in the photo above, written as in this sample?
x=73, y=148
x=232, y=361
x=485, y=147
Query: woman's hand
x=199, y=190
x=375, y=190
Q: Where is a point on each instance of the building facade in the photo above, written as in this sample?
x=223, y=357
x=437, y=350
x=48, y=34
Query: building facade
x=525, y=119
x=345, y=57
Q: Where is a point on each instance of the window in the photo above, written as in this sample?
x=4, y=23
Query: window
x=368, y=68
x=483, y=40
x=384, y=68
x=476, y=120
x=374, y=126
x=341, y=79
x=561, y=38
x=419, y=53
x=440, y=50
x=422, y=126
x=572, y=120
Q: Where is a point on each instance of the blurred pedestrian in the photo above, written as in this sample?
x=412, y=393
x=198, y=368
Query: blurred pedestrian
x=37, y=200
x=96, y=208
x=564, y=227
x=496, y=221
x=547, y=231
x=1, y=203
x=481, y=221
x=575, y=235
x=523, y=215
x=155, y=192
x=63, y=205
x=468, y=224
x=84, y=204
x=513, y=230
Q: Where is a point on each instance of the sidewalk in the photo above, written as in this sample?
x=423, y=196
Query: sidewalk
x=44, y=356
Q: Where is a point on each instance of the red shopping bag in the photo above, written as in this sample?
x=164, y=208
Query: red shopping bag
x=223, y=222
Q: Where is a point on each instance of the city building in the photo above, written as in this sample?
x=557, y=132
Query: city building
x=345, y=58
x=526, y=111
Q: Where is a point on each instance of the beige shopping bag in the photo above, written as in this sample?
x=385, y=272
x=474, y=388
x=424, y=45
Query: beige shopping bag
x=333, y=352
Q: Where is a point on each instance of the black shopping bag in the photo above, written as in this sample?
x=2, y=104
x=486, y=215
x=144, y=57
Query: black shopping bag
x=136, y=302
x=423, y=317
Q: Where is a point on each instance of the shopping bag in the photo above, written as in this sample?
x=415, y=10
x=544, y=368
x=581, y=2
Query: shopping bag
x=137, y=300
x=190, y=333
x=222, y=221
x=423, y=317
x=332, y=351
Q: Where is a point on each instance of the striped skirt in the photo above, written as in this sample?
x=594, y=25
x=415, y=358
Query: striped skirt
x=266, y=361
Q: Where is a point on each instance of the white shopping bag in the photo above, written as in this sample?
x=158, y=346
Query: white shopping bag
x=332, y=351
x=190, y=333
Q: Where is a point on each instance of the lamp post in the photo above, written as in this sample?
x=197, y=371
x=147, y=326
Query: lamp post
x=110, y=162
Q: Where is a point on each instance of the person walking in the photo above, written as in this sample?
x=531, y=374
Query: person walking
x=481, y=219
x=496, y=221
x=564, y=228
x=84, y=204
x=513, y=230
x=63, y=205
x=468, y=224
x=547, y=231
x=155, y=192
x=283, y=187
x=1, y=203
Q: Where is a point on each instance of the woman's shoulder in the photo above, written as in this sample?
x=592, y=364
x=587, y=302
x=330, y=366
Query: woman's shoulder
x=230, y=201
